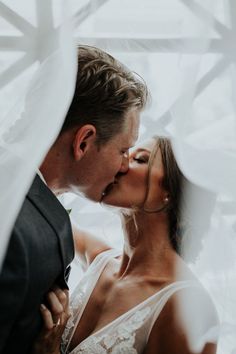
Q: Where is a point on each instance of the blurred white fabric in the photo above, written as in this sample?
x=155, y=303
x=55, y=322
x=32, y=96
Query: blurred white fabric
x=185, y=51
x=33, y=119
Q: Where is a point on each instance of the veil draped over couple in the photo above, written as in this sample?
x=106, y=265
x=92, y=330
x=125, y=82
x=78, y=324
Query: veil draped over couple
x=136, y=301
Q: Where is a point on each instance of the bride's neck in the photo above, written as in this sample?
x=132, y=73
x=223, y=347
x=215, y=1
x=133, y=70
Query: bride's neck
x=147, y=247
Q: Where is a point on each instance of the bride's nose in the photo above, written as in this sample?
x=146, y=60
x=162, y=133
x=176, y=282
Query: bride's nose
x=125, y=163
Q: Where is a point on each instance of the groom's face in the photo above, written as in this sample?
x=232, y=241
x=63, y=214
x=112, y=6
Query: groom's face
x=102, y=165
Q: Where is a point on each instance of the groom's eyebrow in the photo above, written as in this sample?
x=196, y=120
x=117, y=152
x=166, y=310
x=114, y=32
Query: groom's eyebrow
x=127, y=148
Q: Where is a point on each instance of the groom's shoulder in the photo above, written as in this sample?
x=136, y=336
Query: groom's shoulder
x=37, y=193
x=40, y=206
x=38, y=187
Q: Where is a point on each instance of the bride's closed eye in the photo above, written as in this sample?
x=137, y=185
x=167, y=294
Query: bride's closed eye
x=141, y=158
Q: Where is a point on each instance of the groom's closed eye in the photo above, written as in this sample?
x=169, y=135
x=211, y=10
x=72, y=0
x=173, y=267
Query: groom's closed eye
x=125, y=152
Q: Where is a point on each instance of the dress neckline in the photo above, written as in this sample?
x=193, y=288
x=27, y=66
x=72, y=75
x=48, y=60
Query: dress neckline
x=113, y=253
x=136, y=307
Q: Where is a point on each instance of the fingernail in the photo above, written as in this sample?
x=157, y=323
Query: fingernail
x=43, y=307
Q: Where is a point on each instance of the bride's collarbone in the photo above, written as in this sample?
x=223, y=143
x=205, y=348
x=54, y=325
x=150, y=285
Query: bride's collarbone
x=111, y=298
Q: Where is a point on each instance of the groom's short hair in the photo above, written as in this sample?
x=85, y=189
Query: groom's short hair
x=105, y=91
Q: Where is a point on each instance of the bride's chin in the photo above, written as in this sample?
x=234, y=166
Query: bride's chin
x=112, y=208
x=121, y=210
x=109, y=201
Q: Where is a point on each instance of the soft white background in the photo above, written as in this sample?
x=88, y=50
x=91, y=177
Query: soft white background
x=185, y=51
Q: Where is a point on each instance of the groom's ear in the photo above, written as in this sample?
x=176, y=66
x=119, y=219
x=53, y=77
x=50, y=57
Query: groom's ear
x=84, y=138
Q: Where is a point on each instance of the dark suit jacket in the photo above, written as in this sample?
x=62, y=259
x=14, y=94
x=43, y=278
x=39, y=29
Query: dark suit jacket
x=38, y=257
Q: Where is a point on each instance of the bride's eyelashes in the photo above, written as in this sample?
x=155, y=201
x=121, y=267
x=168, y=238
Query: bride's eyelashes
x=141, y=159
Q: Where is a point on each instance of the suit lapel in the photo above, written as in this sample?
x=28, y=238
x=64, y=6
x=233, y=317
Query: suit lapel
x=50, y=207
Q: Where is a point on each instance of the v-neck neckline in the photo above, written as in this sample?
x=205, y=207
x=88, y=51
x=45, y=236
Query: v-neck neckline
x=127, y=313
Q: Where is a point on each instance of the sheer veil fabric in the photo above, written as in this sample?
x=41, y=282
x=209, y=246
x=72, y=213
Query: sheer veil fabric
x=185, y=51
x=26, y=136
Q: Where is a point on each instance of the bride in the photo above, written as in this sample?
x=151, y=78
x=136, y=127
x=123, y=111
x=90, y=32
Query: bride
x=131, y=302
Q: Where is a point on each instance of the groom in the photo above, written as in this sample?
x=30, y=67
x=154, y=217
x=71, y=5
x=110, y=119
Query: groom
x=90, y=151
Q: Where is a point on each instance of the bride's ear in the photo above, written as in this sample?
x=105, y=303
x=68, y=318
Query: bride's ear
x=84, y=138
x=166, y=198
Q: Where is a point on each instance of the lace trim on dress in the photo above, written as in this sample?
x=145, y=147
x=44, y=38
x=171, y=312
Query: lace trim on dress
x=75, y=307
x=81, y=295
x=120, y=341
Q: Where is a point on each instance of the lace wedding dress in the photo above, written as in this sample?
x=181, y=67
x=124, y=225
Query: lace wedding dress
x=127, y=334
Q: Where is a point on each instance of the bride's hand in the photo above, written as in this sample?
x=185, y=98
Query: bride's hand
x=55, y=317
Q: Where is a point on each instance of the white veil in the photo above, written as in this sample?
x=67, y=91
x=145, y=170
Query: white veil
x=185, y=50
x=39, y=100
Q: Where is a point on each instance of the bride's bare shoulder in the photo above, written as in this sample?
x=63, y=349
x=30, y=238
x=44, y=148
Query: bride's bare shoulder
x=184, y=324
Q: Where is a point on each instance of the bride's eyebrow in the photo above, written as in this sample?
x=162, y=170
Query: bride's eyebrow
x=143, y=150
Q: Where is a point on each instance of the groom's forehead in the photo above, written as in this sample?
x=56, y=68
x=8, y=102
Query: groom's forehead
x=128, y=138
x=128, y=135
x=131, y=126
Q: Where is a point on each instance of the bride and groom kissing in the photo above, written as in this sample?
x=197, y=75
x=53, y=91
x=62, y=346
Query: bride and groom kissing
x=126, y=302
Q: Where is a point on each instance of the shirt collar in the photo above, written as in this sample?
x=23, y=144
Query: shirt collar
x=41, y=176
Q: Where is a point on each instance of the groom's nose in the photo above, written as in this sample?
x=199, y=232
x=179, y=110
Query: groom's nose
x=125, y=163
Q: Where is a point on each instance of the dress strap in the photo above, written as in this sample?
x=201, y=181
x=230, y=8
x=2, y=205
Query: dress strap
x=102, y=259
x=159, y=300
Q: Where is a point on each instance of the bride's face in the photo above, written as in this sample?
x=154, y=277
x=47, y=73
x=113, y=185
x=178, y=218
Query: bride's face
x=130, y=190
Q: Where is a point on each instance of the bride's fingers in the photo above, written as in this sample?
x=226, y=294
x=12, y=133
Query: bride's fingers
x=55, y=307
x=63, y=296
x=49, y=322
x=67, y=311
x=54, y=304
x=58, y=302
x=49, y=338
x=47, y=317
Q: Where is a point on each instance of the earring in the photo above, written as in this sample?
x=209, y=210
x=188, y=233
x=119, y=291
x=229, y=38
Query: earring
x=166, y=200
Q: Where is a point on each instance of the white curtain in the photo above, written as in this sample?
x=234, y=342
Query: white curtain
x=185, y=51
